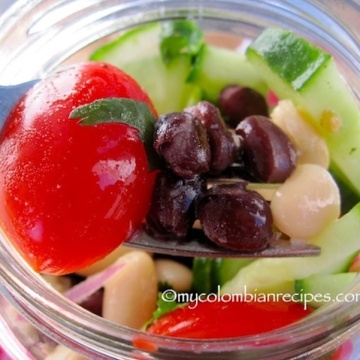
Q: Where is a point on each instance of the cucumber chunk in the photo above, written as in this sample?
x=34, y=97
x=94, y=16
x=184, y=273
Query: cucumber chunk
x=137, y=52
x=224, y=269
x=202, y=275
x=339, y=242
x=208, y=273
x=217, y=68
x=320, y=289
x=182, y=78
x=297, y=70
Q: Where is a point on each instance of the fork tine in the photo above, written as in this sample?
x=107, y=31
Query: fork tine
x=199, y=246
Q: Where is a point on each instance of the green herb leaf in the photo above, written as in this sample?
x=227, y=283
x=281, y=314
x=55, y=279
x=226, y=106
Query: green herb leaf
x=179, y=37
x=165, y=304
x=128, y=111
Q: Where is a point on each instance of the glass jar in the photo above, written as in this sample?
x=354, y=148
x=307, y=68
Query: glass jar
x=36, y=37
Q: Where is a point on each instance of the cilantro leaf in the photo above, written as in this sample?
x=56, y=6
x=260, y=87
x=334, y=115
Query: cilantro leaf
x=180, y=37
x=122, y=110
x=164, y=306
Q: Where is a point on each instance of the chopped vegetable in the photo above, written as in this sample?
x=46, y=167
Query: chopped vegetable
x=339, y=243
x=180, y=37
x=138, y=53
x=184, y=67
x=84, y=289
x=299, y=71
x=217, y=68
x=321, y=289
x=210, y=273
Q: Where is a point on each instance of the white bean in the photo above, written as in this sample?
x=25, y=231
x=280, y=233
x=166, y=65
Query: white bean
x=311, y=147
x=59, y=283
x=307, y=201
x=130, y=296
x=177, y=275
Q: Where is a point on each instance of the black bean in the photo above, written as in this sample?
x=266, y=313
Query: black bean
x=267, y=152
x=172, y=210
x=236, y=103
x=182, y=141
x=235, y=218
x=222, y=144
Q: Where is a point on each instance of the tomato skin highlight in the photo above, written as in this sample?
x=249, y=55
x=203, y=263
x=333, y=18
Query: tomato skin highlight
x=70, y=193
x=226, y=319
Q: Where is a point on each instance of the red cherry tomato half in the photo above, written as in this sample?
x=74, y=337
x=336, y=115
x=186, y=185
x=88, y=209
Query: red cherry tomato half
x=70, y=193
x=222, y=319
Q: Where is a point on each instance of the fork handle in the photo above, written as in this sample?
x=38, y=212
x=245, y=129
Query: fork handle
x=10, y=95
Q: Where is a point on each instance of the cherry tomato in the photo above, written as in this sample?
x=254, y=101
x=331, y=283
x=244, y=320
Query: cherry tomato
x=225, y=319
x=70, y=193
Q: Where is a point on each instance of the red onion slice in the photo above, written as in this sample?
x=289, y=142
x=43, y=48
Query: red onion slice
x=91, y=284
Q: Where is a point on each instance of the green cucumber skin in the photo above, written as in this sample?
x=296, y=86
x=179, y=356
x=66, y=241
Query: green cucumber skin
x=276, y=44
x=224, y=269
x=165, y=96
x=130, y=45
x=179, y=83
x=217, y=68
x=137, y=52
x=210, y=273
x=317, y=90
x=321, y=289
x=202, y=275
x=339, y=242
